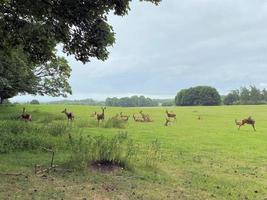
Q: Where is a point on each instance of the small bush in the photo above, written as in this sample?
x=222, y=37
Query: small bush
x=118, y=150
x=115, y=123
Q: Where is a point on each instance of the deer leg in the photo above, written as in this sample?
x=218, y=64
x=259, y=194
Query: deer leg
x=253, y=127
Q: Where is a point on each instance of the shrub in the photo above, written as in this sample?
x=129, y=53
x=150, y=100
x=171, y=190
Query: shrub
x=117, y=150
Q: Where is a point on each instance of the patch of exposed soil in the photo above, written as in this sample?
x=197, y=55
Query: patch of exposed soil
x=106, y=166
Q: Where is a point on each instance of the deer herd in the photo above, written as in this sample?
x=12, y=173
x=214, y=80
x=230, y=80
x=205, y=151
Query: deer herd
x=141, y=117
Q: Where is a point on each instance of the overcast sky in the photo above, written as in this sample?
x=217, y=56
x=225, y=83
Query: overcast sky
x=178, y=44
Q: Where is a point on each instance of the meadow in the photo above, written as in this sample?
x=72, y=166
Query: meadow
x=206, y=158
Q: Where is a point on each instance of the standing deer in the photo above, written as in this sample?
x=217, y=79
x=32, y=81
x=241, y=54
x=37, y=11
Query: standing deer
x=25, y=116
x=69, y=115
x=124, y=117
x=248, y=120
x=101, y=116
x=170, y=115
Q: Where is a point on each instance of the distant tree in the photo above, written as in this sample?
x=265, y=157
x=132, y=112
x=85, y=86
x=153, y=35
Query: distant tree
x=133, y=101
x=168, y=103
x=255, y=95
x=200, y=95
x=34, y=101
x=264, y=95
x=244, y=95
x=231, y=98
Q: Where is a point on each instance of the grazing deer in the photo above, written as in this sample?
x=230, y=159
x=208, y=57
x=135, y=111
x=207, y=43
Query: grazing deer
x=69, y=115
x=167, y=122
x=248, y=120
x=170, y=115
x=124, y=117
x=145, y=117
x=25, y=116
x=138, y=119
x=101, y=116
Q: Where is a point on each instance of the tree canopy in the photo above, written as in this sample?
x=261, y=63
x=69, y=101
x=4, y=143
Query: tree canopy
x=246, y=96
x=30, y=30
x=200, y=95
x=80, y=26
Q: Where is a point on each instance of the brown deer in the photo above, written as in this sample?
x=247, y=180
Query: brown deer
x=124, y=117
x=170, y=115
x=168, y=121
x=138, y=119
x=69, y=115
x=145, y=117
x=101, y=116
x=25, y=116
x=248, y=120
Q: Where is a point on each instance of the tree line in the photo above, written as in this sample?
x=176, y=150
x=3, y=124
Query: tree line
x=134, y=101
x=246, y=96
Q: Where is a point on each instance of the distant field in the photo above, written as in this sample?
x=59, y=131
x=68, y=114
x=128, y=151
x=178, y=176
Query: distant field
x=201, y=159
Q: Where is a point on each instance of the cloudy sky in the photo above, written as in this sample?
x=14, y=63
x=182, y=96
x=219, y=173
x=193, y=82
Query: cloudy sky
x=178, y=44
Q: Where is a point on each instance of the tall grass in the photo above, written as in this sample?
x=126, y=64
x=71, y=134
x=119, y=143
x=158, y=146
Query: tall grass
x=18, y=135
x=118, y=150
x=115, y=123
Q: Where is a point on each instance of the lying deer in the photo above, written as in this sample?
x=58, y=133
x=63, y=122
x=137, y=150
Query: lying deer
x=138, y=119
x=248, y=120
x=101, y=116
x=170, y=115
x=145, y=117
x=124, y=117
x=116, y=117
x=25, y=116
x=69, y=115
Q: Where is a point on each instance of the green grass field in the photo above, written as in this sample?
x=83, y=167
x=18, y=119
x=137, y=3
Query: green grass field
x=200, y=159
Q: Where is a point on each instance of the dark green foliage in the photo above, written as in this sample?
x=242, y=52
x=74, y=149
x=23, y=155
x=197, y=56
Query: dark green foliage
x=34, y=101
x=80, y=26
x=246, y=96
x=232, y=98
x=30, y=31
x=200, y=95
x=133, y=101
x=19, y=75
